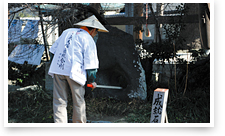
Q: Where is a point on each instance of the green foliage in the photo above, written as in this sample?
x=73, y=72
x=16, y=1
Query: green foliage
x=173, y=30
x=163, y=51
x=198, y=54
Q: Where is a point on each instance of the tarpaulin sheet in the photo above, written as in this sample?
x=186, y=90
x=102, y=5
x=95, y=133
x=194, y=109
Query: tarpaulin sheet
x=31, y=53
x=30, y=30
x=14, y=31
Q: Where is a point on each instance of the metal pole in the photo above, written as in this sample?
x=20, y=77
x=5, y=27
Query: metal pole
x=42, y=28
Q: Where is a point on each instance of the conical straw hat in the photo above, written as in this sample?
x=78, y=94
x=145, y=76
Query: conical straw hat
x=92, y=21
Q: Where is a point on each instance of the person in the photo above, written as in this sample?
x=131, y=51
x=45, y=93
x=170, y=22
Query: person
x=75, y=58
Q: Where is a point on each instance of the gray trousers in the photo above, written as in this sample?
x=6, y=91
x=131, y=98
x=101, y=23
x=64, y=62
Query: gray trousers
x=61, y=86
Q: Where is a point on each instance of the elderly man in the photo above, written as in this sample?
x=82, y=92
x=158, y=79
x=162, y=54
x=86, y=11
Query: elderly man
x=75, y=58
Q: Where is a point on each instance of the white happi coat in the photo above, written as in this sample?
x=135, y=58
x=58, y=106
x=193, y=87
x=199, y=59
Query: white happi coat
x=74, y=52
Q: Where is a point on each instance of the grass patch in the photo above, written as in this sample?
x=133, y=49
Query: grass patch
x=36, y=107
x=33, y=106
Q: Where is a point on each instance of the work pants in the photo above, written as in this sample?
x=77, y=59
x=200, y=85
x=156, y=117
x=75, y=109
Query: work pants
x=61, y=86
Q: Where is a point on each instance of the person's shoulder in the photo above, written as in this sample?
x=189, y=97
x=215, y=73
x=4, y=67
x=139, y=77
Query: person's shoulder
x=83, y=34
x=70, y=30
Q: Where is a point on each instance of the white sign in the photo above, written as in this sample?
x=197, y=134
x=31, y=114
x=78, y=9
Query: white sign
x=159, y=103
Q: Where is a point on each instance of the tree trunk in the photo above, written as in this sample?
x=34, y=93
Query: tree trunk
x=138, y=12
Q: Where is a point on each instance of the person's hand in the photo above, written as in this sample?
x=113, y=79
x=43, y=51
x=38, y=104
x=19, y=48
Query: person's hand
x=94, y=85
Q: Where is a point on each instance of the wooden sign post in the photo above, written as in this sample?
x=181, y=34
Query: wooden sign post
x=159, y=103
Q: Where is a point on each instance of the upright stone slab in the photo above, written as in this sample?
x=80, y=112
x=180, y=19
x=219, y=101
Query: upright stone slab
x=159, y=103
x=119, y=65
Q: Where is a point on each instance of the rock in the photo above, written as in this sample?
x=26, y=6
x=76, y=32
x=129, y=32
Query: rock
x=119, y=65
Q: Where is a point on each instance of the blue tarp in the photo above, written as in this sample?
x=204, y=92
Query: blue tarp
x=14, y=31
x=31, y=53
